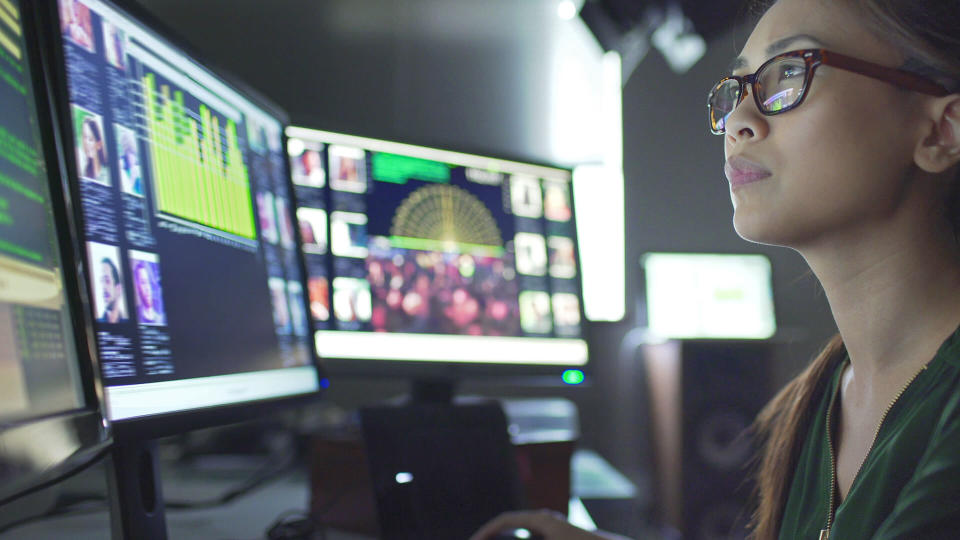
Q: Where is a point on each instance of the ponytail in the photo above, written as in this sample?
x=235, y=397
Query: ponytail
x=780, y=429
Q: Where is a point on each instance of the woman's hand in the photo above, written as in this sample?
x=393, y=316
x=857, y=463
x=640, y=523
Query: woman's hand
x=550, y=525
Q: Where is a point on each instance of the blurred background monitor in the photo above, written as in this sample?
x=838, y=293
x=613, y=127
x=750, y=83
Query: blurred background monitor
x=50, y=422
x=433, y=263
x=708, y=296
x=191, y=253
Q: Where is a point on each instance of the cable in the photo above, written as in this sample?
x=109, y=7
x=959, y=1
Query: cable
x=96, y=503
x=57, y=511
x=269, y=472
x=61, y=477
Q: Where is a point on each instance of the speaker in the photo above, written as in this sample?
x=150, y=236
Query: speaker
x=703, y=397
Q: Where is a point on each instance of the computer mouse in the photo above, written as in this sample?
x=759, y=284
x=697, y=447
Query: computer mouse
x=516, y=534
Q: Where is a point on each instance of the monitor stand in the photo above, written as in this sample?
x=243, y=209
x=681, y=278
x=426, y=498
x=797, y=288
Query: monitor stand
x=433, y=390
x=136, y=498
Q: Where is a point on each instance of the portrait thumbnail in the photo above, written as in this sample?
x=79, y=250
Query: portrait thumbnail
x=114, y=45
x=266, y=211
x=318, y=290
x=348, y=168
x=91, y=148
x=351, y=299
x=145, y=269
x=348, y=234
x=295, y=300
x=562, y=255
x=566, y=310
x=76, y=24
x=106, y=277
x=525, y=196
x=307, y=168
x=285, y=223
x=535, y=312
x=128, y=161
x=313, y=229
x=556, y=200
x=281, y=310
x=531, y=254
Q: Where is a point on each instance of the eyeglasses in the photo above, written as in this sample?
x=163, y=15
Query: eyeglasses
x=781, y=83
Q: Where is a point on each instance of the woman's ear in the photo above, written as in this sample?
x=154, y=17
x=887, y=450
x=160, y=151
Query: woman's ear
x=940, y=149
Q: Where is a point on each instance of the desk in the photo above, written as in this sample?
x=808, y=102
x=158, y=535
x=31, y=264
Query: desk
x=248, y=517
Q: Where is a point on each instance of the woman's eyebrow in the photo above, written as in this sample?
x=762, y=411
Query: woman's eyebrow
x=776, y=47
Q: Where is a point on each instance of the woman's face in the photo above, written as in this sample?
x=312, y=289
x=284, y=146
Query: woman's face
x=108, y=284
x=129, y=151
x=838, y=163
x=91, y=146
x=143, y=285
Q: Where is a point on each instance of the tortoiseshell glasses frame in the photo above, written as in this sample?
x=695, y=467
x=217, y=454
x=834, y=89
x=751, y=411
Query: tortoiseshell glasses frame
x=782, y=94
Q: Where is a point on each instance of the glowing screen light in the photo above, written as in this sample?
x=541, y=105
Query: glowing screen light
x=566, y=10
x=572, y=376
x=699, y=295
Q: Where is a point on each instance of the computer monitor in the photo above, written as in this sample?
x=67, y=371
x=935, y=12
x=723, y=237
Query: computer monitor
x=431, y=262
x=185, y=198
x=50, y=422
x=709, y=296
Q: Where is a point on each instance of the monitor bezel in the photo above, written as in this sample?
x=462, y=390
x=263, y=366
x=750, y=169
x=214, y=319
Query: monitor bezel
x=83, y=430
x=173, y=422
x=468, y=372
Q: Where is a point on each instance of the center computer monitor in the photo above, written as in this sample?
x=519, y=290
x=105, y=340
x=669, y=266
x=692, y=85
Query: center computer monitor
x=50, y=421
x=191, y=254
x=438, y=263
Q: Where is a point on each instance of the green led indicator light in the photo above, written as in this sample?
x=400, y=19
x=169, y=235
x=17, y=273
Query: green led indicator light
x=572, y=376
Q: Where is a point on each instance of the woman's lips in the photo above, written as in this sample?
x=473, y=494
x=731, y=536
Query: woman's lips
x=741, y=171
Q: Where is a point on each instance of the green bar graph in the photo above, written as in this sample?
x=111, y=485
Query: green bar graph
x=197, y=164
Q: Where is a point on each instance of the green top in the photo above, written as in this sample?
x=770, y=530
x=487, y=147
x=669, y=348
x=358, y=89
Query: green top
x=909, y=484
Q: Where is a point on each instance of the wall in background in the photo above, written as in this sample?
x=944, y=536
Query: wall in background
x=482, y=77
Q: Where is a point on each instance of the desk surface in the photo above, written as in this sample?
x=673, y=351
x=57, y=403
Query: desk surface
x=248, y=517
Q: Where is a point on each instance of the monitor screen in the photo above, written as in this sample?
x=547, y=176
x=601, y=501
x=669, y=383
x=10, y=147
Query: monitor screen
x=423, y=255
x=38, y=354
x=195, y=276
x=709, y=296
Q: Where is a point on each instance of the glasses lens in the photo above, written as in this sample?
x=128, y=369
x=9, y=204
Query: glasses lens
x=722, y=101
x=780, y=84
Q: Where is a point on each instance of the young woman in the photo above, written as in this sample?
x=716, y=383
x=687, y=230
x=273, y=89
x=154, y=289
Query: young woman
x=146, y=286
x=841, y=127
x=94, y=156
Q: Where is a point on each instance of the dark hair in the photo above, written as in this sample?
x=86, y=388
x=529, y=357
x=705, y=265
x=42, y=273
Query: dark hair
x=113, y=269
x=780, y=428
x=146, y=267
x=95, y=129
x=925, y=31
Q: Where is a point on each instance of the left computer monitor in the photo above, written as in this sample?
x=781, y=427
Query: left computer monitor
x=183, y=189
x=50, y=422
